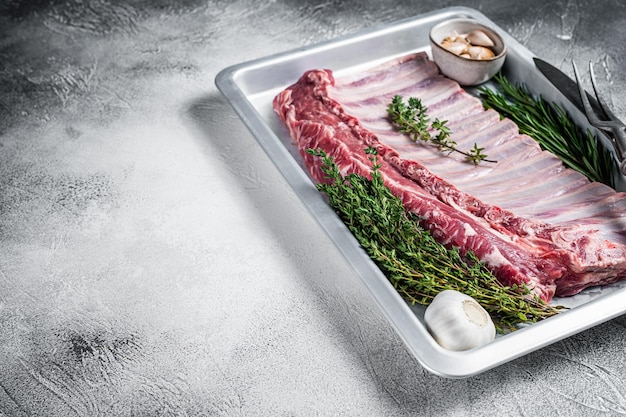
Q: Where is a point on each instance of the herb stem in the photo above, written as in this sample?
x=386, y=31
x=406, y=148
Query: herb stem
x=411, y=118
x=552, y=128
x=415, y=264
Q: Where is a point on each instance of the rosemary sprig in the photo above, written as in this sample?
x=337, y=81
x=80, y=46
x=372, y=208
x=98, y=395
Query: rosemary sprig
x=410, y=118
x=552, y=128
x=417, y=266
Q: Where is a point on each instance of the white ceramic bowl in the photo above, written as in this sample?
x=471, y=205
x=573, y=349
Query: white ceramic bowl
x=465, y=71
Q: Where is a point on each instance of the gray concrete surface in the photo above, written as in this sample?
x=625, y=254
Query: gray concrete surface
x=154, y=263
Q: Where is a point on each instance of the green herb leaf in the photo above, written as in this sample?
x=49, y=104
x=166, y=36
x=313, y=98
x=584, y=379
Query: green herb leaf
x=552, y=128
x=411, y=118
x=413, y=261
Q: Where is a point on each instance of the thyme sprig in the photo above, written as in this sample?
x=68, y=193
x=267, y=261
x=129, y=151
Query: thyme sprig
x=552, y=128
x=410, y=118
x=416, y=265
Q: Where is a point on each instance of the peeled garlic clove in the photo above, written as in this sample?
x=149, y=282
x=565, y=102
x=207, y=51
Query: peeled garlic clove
x=457, y=322
x=455, y=38
x=480, y=52
x=455, y=47
x=480, y=38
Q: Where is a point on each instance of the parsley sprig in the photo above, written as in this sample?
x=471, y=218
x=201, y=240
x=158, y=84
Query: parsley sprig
x=416, y=265
x=410, y=118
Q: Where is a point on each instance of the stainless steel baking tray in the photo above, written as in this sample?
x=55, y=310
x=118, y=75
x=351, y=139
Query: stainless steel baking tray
x=250, y=88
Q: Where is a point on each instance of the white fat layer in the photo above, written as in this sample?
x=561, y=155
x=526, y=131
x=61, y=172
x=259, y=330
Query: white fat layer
x=525, y=180
x=469, y=230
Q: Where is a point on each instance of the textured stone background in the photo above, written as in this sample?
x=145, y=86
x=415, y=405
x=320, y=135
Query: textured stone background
x=152, y=260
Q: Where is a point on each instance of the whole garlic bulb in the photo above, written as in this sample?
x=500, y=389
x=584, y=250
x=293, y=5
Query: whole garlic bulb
x=458, y=322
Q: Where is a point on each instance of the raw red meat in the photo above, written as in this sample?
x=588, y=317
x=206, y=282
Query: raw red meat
x=527, y=217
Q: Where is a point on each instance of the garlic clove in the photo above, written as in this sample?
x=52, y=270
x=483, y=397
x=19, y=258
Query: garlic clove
x=456, y=37
x=480, y=52
x=455, y=46
x=480, y=38
x=457, y=322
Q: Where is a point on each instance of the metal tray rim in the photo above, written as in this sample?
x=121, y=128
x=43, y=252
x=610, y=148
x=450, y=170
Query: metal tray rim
x=410, y=329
